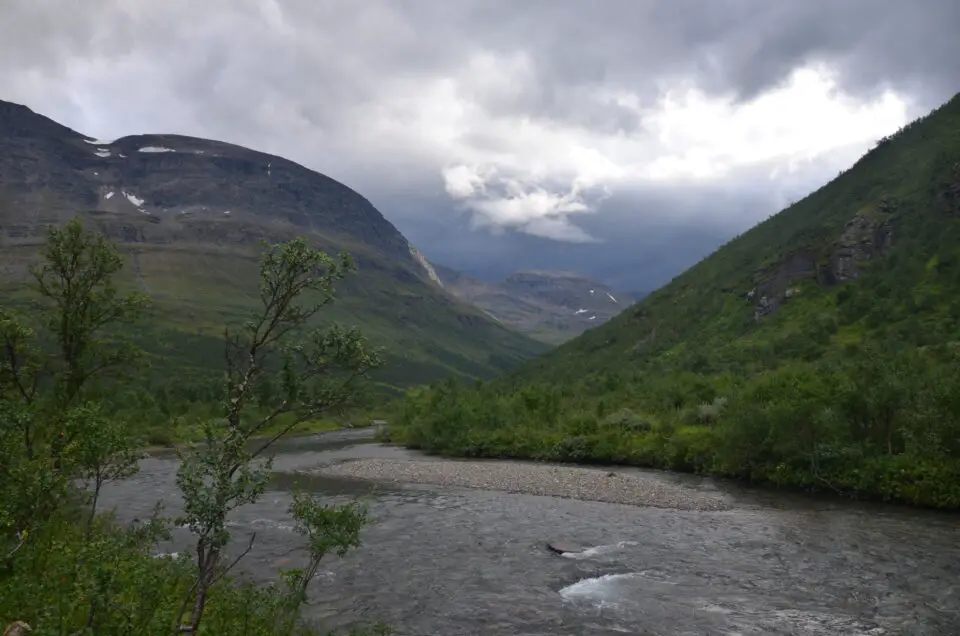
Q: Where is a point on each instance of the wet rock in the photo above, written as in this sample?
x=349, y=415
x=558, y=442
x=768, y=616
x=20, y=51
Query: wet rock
x=563, y=547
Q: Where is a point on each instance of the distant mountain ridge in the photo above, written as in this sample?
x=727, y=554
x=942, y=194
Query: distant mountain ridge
x=550, y=305
x=190, y=214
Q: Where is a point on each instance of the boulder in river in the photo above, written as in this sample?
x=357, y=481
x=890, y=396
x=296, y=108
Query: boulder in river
x=562, y=547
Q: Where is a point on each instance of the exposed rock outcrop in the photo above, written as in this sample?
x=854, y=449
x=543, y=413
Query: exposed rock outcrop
x=776, y=284
x=867, y=236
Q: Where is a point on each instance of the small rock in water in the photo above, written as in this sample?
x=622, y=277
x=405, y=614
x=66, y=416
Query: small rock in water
x=562, y=547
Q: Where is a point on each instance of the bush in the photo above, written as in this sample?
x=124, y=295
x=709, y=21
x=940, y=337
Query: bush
x=628, y=421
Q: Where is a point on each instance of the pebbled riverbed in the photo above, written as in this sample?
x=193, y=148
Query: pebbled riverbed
x=455, y=561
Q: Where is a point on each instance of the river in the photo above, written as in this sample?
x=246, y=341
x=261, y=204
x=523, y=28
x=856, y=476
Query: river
x=455, y=561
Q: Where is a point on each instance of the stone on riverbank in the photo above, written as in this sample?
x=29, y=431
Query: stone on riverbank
x=571, y=482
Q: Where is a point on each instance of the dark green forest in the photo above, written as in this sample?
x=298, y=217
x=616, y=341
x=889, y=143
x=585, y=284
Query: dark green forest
x=819, y=350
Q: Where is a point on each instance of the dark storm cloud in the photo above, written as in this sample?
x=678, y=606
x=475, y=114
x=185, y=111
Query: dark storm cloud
x=345, y=47
x=744, y=46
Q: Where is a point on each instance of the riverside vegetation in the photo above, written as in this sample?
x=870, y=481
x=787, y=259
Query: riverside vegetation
x=70, y=569
x=820, y=350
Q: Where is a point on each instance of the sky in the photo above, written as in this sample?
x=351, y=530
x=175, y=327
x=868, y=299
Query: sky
x=625, y=139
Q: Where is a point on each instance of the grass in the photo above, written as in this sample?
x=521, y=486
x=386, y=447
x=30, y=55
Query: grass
x=196, y=291
x=186, y=435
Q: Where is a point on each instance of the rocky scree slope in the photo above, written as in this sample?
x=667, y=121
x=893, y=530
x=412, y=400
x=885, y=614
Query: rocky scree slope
x=190, y=213
x=549, y=305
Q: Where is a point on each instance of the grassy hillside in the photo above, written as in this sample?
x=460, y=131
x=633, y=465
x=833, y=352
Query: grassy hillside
x=198, y=290
x=189, y=215
x=819, y=349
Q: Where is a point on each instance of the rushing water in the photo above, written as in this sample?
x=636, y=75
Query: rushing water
x=455, y=561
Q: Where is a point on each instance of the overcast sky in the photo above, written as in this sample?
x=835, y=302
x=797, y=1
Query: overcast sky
x=623, y=138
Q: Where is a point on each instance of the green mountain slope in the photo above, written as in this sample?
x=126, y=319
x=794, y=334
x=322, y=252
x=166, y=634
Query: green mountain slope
x=819, y=349
x=190, y=213
x=873, y=254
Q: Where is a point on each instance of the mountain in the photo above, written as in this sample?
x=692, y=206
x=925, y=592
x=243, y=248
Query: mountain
x=190, y=213
x=551, y=306
x=820, y=349
x=872, y=255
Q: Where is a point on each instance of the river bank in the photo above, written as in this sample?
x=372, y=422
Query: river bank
x=555, y=480
x=921, y=481
x=465, y=561
x=309, y=429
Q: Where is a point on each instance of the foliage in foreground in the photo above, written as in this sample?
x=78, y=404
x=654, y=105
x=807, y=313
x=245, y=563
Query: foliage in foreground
x=68, y=569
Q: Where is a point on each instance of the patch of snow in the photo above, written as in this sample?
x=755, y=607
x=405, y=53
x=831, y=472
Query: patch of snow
x=109, y=195
x=98, y=142
x=156, y=149
x=592, y=291
x=96, y=174
x=134, y=199
x=102, y=152
x=579, y=311
x=592, y=318
x=226, y=211
x=610, y=296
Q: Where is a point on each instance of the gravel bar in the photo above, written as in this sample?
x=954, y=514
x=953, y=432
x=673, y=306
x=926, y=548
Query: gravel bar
x=571, y=482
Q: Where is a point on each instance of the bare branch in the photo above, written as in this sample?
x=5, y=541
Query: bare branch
x=237, y=560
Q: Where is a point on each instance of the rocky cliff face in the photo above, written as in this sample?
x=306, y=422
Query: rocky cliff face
x=868, y=235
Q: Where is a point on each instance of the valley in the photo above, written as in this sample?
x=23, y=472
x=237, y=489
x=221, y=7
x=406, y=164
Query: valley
x=235, y=399
x=816, y=351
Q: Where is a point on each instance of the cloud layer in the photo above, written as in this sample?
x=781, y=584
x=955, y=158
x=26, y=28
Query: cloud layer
x=559, y=120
